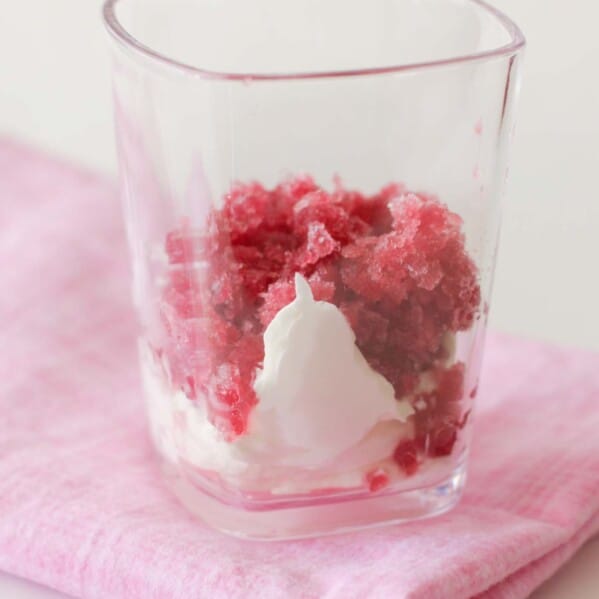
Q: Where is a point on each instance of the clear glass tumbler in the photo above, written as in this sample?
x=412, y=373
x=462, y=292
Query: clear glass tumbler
x=312, y=195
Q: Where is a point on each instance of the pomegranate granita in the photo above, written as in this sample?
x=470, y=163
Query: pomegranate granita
x=308, y=339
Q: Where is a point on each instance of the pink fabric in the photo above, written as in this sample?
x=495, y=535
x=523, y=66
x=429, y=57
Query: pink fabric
x=82, y=505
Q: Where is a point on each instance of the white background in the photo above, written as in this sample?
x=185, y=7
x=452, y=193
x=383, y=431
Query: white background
x=55, y=93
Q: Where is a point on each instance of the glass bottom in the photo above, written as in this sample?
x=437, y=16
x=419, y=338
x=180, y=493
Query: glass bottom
x=296, y=522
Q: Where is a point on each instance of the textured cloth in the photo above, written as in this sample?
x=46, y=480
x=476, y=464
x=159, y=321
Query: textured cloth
x=83, y=507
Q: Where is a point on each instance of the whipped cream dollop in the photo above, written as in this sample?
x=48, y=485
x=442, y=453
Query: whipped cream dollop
x=323, y=418
x=318, y=396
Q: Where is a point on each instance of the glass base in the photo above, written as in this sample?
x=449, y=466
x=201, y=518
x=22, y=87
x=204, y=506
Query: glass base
x=304, y=521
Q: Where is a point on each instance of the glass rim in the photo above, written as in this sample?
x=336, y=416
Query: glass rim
x=120, y=34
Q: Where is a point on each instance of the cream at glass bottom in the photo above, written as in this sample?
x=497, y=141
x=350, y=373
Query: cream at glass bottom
x=227, y=486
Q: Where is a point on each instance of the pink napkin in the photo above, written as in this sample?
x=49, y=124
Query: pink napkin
x=82, y=505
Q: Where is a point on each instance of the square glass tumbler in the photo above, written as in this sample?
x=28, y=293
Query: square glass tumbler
x=312, y=195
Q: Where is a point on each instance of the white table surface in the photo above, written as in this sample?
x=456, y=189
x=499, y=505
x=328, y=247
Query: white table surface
x=59, y=99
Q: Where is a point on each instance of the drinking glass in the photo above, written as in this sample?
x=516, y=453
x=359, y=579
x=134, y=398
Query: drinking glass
x=312, y=195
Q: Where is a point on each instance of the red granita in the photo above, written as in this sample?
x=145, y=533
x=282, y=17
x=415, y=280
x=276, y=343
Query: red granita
x=406, y=456
x=319, y=244
x=437, y=426
x=394, y=263
x=377, y=479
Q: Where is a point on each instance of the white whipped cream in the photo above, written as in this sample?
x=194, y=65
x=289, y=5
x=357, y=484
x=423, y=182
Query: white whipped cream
x=318, y=396
x=324, y=417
